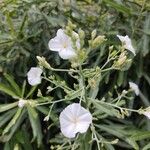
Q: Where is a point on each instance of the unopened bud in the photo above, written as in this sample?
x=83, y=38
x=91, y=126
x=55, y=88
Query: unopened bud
x=98, y=41
x=43, y=62
x=92, y=82
x=121, y=60
x=81, y=34
x=93, y=34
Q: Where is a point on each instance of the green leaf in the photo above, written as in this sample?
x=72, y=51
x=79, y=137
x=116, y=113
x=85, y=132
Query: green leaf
x=147, y=78
x=120, y=132
x=111, y=130
x=23, y=89
x=8, y=91
x=6, y=116
x=13, y=84
x=7, y=146
x=120, y=79
x=141, y=136
x=7, y=137
x=118, y=7
x=35, y=123
x=106, y=109
x=84, y=140
x=146, y=147
x=31, y=91
x=27, y=143
x=13, y=121
x=146, y=39
x=132, y=143
x=73, y=94
x=5, y=107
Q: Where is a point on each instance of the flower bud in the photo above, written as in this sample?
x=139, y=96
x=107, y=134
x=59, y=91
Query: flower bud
x=121, y=60
x=98, y=41
x=43, y=62
x=93, y=34
x=81, y=34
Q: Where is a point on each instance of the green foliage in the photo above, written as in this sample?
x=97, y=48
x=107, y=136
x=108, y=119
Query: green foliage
x=101, y=73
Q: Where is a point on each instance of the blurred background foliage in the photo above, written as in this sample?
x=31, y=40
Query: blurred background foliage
x=26, y=26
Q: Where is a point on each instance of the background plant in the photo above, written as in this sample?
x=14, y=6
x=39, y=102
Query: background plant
x=25, y=30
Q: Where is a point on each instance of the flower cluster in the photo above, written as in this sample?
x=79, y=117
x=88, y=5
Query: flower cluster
x=75, y=118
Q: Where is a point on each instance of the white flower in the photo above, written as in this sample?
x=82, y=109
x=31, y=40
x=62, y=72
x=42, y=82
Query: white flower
x=63, y=45
x=147, y=112
x=73, y=119
x=127, y=43
x=134, y=87
x=34, y=75
x=21, y=103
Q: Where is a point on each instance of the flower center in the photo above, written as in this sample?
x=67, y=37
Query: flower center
x=65, y=45
x=75, y=120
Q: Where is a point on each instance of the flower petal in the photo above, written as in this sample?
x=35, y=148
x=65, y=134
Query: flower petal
x=55, y=44
x=127, y=43
x=82, y=127
x=62, y=36
x=67, y=53
x=68, y=131
x=134, y=87
x=78, y=40
x=34, y=81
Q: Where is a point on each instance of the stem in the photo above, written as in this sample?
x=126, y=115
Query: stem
x=56, y=84
x=107, y=62
x=73, y=146
x=113, y=105
x=64, y=70
x=139, y=17
x=108, y=69
x=57, y=101
x=83, y=83
x=95, y=136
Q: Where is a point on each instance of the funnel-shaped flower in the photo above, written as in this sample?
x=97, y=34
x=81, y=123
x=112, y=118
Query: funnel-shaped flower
x=34, y=76
x=73, y=119
x=126, y=41
x=62, y=43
